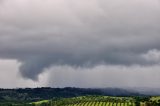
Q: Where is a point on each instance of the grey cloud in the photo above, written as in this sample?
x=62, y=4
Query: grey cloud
x=32, y=67
x=104, y=76
x=152, y=55
x=78, y=33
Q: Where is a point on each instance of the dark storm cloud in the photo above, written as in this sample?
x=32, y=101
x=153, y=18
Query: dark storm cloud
x=42, y=33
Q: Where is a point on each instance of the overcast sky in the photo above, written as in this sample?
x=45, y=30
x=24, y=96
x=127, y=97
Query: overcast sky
x=79, y=43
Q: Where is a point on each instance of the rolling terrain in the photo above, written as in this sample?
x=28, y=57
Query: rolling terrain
x=75, y=97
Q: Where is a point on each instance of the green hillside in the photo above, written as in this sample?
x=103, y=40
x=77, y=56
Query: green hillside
x=101, y=101
x=93, y=101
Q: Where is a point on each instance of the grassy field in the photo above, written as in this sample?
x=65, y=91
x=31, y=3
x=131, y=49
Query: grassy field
x=40, y=102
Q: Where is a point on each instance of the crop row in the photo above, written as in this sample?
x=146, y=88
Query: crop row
x=102, y=104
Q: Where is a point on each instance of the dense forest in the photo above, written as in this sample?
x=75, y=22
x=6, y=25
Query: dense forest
x=44, y=93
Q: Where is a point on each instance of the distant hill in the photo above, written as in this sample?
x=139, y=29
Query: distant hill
x=146, y=91
x=34, y=94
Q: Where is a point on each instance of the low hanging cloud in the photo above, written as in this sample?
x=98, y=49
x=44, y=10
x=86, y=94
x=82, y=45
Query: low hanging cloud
x=152, y=55
x=83, y=33
x=104, y=76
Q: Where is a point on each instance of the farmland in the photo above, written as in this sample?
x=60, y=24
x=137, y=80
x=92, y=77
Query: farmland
x=74, y=97
x=103, y=101
x=94, y=101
